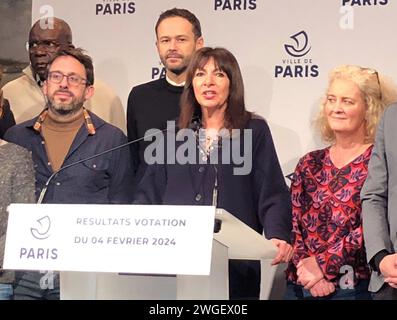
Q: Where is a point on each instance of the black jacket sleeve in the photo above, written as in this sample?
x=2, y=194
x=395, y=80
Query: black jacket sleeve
x=273, y=194
x=7, y=118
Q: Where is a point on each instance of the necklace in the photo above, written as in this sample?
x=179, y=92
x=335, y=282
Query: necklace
x=208, y=140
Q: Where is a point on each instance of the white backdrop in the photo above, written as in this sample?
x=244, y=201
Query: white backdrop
x=119, y=35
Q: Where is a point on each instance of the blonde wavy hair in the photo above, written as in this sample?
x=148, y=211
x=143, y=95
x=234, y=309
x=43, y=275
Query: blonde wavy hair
x=376, y=91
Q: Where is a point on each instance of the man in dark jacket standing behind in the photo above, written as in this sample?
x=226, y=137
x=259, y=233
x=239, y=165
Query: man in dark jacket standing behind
x=152, y=104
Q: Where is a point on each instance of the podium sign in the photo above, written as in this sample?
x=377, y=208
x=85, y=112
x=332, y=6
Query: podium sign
x=110, y=238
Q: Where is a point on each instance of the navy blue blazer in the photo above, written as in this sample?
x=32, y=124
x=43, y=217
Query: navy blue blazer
x=260, y=198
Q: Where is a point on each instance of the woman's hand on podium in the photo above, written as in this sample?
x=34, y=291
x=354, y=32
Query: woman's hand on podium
x=284, y=253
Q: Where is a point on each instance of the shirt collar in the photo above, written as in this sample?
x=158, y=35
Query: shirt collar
x=28, y=71
x=173, y=83
x=87, y=120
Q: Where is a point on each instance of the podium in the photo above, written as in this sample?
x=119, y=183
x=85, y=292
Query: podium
x=98, y=260
x=235, y=240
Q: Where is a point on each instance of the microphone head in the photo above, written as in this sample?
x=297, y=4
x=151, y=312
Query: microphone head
x=195, y=124
x=217, y=225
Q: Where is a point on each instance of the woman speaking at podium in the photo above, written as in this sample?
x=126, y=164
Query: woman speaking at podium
x=229, y=161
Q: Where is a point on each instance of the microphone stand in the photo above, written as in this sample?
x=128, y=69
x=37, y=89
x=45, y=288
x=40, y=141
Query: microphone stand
x=44, y=190
x=215, y=190
x=218, y=222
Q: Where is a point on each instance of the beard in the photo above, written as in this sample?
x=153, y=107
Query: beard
x=179, y=69
x=62, y=108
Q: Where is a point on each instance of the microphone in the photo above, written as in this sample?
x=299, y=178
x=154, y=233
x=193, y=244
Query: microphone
x=218, y=222
x=44, y=190
x=195, y=124
x=215, y=190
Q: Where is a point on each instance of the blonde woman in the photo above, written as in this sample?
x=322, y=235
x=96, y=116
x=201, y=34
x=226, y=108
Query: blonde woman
x=329, y=260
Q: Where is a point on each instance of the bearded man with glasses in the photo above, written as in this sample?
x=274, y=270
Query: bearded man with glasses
x=63, y=134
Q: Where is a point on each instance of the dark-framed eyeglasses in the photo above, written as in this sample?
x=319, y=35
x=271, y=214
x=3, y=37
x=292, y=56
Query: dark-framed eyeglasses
x=73, y=79
x=48, y=45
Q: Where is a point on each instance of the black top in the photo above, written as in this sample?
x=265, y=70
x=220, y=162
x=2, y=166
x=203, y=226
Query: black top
x=7, y=119
x=150, y=105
